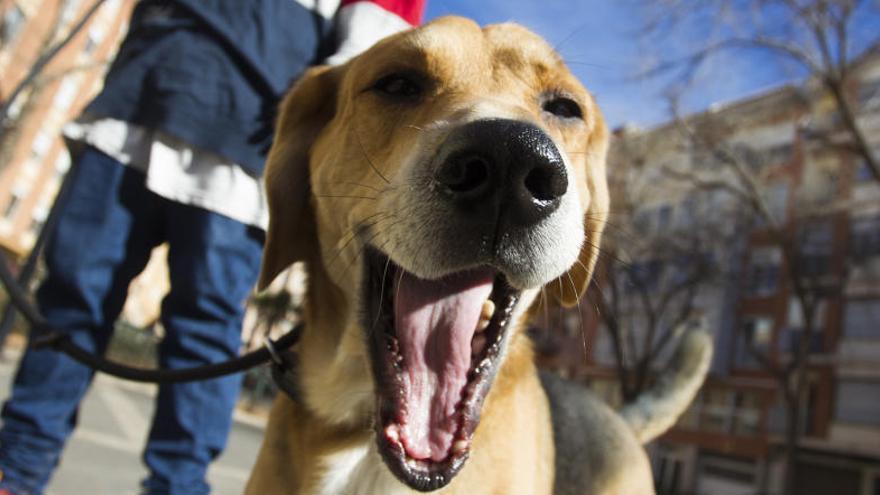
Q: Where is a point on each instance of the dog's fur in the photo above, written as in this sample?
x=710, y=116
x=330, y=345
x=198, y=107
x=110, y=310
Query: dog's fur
x=343, y=157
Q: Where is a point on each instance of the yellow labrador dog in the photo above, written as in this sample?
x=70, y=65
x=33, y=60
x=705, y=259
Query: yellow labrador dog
x=433, y=186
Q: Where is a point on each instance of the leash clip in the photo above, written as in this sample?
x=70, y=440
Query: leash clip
x=270, y=346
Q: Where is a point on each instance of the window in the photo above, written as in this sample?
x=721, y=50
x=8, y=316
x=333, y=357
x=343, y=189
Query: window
x=42, y=143
x=664, y=216
x=667, y=473
x=66, y=94
x=869, y=94
x=642, y=220
x=858, y=401
x=687, y=213
x=776, y=155
x=815, y=243
x=716, y=414
x=645, y=275
x=11, y=24
x=793, y=333
x=755, y=333
x=865, y=237
x=861, y=318
x=93, y=40
x=762, y=277
x=813, y=478
x=726, y=474
x=863, y=173
x=62, y=164
x=68, y=10
x=776, y=198
x=747, y=419
x=37, y=224
x=796, y=314
x=13, y=205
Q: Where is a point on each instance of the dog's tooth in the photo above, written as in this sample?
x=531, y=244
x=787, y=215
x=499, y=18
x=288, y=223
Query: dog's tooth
x=486, y=315
x=412, y=463
x=392, y=432
x=488, y=309
x=459, y=446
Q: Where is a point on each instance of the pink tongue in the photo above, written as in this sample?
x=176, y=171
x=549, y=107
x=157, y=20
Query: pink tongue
x=435, y=322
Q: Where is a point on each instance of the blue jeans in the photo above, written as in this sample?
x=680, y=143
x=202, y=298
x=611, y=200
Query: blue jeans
x=103, y=240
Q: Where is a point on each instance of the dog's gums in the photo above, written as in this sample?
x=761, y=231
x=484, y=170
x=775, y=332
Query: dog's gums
x=434, y=345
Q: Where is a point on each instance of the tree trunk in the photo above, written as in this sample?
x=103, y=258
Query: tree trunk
x=792, y=432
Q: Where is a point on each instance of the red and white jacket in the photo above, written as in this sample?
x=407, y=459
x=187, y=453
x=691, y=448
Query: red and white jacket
x=361, y=23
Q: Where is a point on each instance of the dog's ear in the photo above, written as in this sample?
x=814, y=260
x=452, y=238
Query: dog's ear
x=304, y=112
x=568, y=288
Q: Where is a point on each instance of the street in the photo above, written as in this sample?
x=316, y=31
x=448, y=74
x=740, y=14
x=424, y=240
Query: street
x=103, y=455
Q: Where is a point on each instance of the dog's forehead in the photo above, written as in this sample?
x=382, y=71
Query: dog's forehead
x=455, y=49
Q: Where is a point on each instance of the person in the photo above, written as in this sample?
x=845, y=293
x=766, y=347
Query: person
x=171, y=150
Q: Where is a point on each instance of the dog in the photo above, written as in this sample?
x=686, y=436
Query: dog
x=434, y=187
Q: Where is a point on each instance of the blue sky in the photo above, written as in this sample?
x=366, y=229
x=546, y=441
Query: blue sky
x=601, y=42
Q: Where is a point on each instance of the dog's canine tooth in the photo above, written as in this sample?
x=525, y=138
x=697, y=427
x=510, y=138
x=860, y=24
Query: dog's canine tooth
x=459, y=446
x=486, y=315
x=392, y=432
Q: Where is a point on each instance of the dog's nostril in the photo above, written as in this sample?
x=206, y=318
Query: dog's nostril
x=546, y=182
x=464, y=174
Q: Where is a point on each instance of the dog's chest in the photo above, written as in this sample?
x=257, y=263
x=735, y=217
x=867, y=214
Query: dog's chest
x=358, y=471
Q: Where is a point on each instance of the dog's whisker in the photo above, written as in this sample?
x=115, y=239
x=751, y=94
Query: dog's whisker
x=360, y=225
x=357, y=136
x=602, y=252
x=363, y=247
x=381, y=292
x=397, y=290
x=545, y=302
x=577, y=300
x=376, y=189
x=345, y=196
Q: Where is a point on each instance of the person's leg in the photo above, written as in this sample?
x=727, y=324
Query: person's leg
x=103, y=239
x=213, y=262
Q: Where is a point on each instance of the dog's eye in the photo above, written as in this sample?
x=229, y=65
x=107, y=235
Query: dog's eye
x=563, y=107
x=398, y=86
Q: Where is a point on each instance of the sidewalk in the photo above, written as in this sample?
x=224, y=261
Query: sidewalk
x=103, y=456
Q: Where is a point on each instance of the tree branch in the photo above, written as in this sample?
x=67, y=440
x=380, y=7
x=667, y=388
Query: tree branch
x=42, y=61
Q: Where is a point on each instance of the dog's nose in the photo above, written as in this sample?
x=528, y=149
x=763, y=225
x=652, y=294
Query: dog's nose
x=514, y=163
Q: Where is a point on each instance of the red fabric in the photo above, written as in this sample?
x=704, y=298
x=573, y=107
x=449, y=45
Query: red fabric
x=411, y=11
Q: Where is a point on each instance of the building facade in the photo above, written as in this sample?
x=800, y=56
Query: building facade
x=817, y=195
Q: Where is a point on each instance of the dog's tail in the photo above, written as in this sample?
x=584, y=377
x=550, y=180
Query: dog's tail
x=656, y=410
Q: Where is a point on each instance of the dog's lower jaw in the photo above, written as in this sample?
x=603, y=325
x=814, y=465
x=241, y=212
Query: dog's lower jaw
x=512, y=450
x=334, y=374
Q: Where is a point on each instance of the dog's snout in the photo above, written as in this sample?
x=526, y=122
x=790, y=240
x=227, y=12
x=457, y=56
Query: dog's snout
x=503, y=165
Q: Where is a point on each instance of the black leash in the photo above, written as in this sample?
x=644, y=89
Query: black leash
x=48, y=337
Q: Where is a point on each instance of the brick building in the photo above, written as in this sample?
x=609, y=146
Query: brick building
x=728, y=442
x=33, y=157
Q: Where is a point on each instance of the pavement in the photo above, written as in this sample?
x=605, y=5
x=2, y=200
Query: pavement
x=103, y=455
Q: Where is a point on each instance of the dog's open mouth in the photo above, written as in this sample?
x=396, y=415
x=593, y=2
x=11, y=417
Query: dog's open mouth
x=435, y=346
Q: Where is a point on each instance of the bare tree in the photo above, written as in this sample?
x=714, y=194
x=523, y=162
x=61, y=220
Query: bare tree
x=739, y=171
x=38, y=77
x=824, y=39
x=658, y=258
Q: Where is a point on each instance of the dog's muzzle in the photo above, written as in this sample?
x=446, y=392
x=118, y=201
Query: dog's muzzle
x=502, y=169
